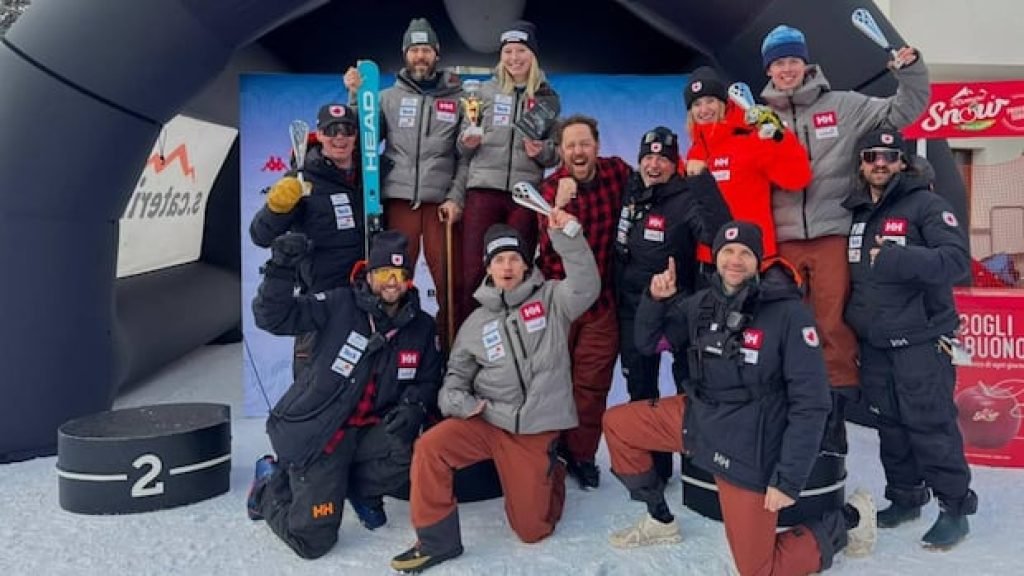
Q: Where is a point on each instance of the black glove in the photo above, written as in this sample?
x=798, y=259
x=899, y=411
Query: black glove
x=404, y=421
x=289, y=249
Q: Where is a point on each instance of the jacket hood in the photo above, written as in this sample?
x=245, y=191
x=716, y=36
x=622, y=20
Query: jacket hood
x=815, y=84
x=494, y=299
x=901, y=185
x=640, y=194
x=366, y=300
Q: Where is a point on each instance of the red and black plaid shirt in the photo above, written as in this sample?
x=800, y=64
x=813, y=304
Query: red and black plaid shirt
x=597, y=205
x=363, y=416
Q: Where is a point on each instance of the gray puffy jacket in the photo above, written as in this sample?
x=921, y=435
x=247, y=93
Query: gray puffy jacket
x=513, y=351
x=828, y=124
x=500, y=160
x=420, y=131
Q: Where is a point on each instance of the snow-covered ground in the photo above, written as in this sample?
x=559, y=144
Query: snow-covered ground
x=38, y=538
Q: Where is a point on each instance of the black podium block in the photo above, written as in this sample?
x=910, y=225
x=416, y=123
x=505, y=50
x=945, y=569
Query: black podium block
x=825, y=490
x=144, y=459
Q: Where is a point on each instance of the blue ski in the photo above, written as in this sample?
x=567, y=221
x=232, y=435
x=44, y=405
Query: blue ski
x=367, y=98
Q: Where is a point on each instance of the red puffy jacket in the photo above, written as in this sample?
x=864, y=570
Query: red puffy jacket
x=747, y=167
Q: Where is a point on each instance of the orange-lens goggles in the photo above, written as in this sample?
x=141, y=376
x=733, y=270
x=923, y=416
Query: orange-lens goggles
x=384, y=275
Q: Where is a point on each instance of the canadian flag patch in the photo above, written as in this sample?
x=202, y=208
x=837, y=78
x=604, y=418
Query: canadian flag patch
x=810, y=336
x=949, y=219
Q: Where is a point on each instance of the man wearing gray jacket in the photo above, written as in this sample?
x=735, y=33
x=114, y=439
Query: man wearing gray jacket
x=423, y=184
x=508, y=392
x=811, y=225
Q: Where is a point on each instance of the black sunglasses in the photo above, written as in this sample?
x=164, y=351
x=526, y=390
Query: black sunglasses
x=332, y=130
x=887, y=155
x=666, y=139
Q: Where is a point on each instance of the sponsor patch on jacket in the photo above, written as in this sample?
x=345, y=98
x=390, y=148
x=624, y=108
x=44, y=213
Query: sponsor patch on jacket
x=753, y=339
x=533, y=316
x=856, y=241
x=350, y=354
x=495, y=352
x=407, y=122
x=720, y=169
x=502, y=108
x=654, y=228
x=340, y=198
x=858, y=228
x=357, y=340
x=853, y=255
x=949, y=218
x=501, y=120
x=446, y=111
x=810, y=335
x=408, y=361
x=343, y=217
x=342, y=367
x=826, y=124
x=895, y=230
x=503, y=99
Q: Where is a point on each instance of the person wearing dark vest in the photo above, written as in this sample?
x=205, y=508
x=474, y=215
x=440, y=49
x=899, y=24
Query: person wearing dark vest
x=753, y=413
x=906, y=250
x=345, y=428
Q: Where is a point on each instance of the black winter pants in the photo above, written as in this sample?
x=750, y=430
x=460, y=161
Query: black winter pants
x=304, y=506
x=910, y=389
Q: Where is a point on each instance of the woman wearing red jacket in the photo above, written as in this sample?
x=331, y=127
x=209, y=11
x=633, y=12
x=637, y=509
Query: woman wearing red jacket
x=748, y=160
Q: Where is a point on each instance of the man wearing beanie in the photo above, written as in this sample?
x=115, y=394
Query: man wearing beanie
x=906, y=251
x=664, y=215
x=747, y=158
x=811, y=223
x=501, y=155
x=754, y=408
x=423, y=181
x=508, y=393
x=345, y=428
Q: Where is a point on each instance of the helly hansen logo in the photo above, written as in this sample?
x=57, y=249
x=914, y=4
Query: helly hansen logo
x=825, y=119
x=896, y=226
x=655, y=222
x=721, y=460
x=408, y=359
x=722, y=162
x=532, y=310
x=753, y=338
x=446, y=106
x=323, y=510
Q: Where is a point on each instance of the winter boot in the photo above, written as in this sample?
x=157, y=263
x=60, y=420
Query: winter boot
x=862, y=537
x=415, y=560
x=585, y=472
x=897, y=514
x=646, y=532
x=948, y=531
x=265, y=468
x=370, y=512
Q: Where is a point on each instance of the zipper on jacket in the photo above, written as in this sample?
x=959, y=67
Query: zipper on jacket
x=803, y=196
x=515, y=360
x=416, y=159
x=512, y=141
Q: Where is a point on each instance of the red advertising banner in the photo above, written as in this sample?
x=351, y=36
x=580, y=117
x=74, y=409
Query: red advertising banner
x=990, y=392
x=972, y=110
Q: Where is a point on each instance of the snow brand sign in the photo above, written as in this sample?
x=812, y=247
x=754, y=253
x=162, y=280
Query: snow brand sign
x=990, y=392
x=972, y=110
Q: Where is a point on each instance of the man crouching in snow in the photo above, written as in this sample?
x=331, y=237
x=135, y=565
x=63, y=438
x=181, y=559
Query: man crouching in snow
x=509, y=392
x=753, y=413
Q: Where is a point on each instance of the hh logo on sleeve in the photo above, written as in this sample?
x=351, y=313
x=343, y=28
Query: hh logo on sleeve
x=408, y=361
x=753, y=340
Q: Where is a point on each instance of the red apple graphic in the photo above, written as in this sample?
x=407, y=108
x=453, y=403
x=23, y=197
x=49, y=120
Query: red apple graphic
x=989, y=415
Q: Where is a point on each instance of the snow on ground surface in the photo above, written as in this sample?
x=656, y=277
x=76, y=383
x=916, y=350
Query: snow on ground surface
x=212, y=537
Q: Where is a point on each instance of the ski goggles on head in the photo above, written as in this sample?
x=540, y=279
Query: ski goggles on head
x=339, y=129
x=888, y=155
x=666, y=139
x=385, y=274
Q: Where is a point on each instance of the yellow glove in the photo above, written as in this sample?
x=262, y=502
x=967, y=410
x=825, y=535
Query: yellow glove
x=285, y=194
x=769, y=124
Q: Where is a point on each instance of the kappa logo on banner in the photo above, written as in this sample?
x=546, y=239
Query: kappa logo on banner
x=446, y=110
x=533, y=316
x=895, y=226
x=826, y=125
x=811, y=336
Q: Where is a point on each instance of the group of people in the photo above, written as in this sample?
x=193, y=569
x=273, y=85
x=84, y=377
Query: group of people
x=712, y=255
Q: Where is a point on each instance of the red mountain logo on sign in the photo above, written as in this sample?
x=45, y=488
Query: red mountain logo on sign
x=159, y=162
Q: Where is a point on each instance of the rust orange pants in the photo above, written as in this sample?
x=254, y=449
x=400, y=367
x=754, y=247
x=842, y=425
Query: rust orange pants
x=636, y=429
x=593, y=348
x=532, y=479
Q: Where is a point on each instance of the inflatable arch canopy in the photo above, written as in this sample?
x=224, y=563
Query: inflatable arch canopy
x=88, y=85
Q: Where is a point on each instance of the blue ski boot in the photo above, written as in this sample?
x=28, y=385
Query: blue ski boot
x=265, y=468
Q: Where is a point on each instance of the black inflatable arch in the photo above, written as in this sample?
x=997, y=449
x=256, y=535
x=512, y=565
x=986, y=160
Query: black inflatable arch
x=84, y=89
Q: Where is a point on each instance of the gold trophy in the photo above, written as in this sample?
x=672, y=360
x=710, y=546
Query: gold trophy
x=471, y=105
